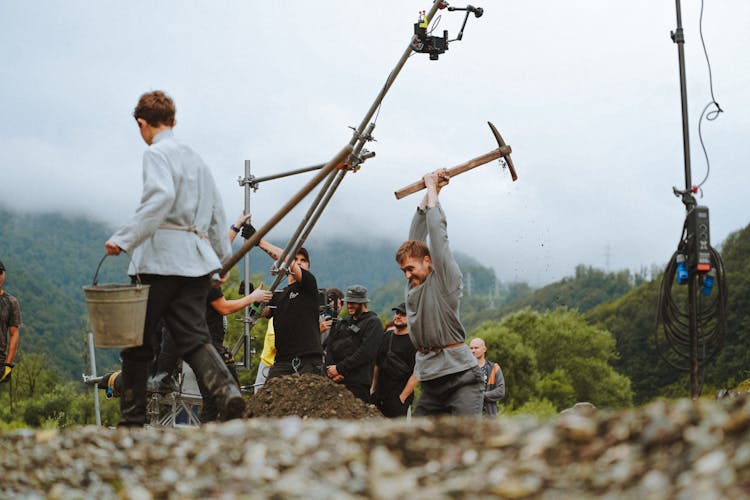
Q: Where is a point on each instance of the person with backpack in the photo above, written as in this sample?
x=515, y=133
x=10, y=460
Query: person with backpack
x=494, y=390
x=353, y=345
x=393, y=380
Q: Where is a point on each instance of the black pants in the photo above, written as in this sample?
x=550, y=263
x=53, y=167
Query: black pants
x=459, y=393
x=360, y=390
x=303, y=364
x=390, y=405
x=181, y=302
x=210, y=407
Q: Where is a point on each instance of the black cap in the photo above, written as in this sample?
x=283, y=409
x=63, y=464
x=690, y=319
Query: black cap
x=303, y=251
x=2, y=267
x=401, y=308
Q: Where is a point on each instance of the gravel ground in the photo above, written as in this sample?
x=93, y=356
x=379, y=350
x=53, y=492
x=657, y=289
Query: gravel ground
x=679, y=449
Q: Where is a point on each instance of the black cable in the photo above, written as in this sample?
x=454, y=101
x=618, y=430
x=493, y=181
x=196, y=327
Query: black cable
x=673, y=338
x=377, y=112
x=714, y=113
x=435, y=24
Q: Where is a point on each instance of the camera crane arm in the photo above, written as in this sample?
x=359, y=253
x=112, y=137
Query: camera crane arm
x=348, y=158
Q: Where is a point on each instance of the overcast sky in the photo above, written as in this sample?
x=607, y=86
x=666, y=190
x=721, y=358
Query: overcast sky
x=585, y=92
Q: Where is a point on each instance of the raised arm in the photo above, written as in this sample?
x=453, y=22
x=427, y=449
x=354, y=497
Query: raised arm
x=274, y=252
x=443, y=262
x=434, y=181
x=235, y=228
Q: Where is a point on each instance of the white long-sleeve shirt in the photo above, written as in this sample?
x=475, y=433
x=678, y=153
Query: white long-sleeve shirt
x=178, y=189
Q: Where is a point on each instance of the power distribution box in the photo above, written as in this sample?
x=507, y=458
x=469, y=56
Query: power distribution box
x=698, y=230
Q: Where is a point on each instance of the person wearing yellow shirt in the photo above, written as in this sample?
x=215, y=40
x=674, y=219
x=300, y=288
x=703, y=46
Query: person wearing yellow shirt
x=267, y=357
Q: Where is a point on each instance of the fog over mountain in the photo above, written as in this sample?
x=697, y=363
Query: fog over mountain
x=586, y=94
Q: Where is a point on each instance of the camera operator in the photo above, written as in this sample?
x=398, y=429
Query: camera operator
x=334, y=302
x=353, y=345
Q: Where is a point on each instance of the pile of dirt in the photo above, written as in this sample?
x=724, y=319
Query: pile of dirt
x=308, y=396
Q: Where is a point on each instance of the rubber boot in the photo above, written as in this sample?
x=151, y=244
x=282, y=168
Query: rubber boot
x=209, y=410
x=133, y=395
x=164, y=382
x=213, y=373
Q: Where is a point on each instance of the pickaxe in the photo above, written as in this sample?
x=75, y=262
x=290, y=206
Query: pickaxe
x=502, y=150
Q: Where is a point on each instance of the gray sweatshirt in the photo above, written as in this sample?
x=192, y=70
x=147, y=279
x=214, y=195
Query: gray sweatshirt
x=432, y=306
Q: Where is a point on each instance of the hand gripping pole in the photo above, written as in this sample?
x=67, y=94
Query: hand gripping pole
x=261, y=232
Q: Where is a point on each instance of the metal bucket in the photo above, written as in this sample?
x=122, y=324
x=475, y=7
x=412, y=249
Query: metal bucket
x=117, y=313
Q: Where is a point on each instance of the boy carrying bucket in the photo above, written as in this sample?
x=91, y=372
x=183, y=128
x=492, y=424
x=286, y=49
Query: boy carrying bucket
x=176, y=240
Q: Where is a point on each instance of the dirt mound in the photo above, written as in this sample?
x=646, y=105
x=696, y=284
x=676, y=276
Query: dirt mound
x=308, y=396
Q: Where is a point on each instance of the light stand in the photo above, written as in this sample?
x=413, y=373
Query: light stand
x=693, y=335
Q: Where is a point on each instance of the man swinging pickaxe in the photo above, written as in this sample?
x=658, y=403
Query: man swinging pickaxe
x=502, y=150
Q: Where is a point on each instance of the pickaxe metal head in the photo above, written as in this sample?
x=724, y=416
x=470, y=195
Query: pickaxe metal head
x=501, y=144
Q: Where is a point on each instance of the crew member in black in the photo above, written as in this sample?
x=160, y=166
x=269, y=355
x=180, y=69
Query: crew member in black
x=393, y=380
x=353, y=345
x=295, y=318
x=217, y=308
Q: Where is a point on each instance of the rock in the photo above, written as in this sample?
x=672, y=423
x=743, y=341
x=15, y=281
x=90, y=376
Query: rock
x=679, y=449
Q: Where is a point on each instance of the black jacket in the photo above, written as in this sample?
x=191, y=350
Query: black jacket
x=353, y=346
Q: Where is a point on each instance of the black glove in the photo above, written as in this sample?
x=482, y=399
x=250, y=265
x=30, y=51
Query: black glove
x=247, y=230
x=5, y=372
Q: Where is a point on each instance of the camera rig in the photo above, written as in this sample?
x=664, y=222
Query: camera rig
x=424, y=42
x=328, y=302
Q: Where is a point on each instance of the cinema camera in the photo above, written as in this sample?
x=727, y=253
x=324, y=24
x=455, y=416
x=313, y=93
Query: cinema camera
x=328, y=304
x=423, y=40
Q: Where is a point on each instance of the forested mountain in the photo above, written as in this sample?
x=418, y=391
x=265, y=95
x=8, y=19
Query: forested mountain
x=632, y=320
x=51, y=257
x=585, y=290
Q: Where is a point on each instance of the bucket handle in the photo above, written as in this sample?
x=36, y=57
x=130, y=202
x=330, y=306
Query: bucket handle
x=96, y=274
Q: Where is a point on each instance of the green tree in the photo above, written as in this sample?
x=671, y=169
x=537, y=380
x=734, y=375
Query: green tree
x=33, y=375
x=556, y=356
x=557, y=388
x=563, y=339
x=517, y=360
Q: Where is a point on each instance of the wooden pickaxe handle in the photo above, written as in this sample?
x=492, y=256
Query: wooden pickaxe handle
x=458, y=169
x=502, y=150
